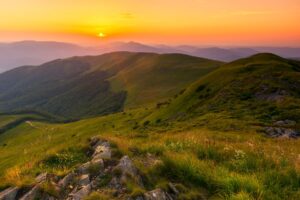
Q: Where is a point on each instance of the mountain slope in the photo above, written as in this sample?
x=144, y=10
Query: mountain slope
x=263, y=87
x=86, y=86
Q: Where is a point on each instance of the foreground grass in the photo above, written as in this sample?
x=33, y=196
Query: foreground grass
x=201, y=162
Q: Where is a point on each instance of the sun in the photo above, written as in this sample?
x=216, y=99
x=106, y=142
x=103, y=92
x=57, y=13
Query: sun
x=101, y=35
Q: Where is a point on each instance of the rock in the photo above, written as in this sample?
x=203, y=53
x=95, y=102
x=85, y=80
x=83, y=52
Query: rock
x=127, y=170
x=84, y=168
x=41, y=178
x=157, y=194
x=285, y=123
x=173, y=189
x=102, y=151
x=281, y=132
x=83, y=192
x=84, y=180
x=9, y=193
x=139, y=198
x=98, y=161
x=33, y=194
x=290, y=122
x=67, y=180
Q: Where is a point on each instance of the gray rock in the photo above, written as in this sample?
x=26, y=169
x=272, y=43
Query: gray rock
x=157, y=194
x=281, y=132
x=84, y=168
x=285, y=123
x=128, y=170
x=98, y=161
x=102, y=151
x=83, y=192
x=84, y=180
x=67, y=180
x=290, y=122
x=9, y=193
x=41, y=178
x=33, y=194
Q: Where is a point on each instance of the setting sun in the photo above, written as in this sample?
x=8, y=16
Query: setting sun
x=101, y=35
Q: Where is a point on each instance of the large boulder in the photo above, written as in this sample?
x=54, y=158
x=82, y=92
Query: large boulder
x=9, y=193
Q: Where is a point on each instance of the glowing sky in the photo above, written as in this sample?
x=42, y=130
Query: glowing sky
x=206, y=22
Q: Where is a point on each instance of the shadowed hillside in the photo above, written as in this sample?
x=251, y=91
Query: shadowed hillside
x=86, y=86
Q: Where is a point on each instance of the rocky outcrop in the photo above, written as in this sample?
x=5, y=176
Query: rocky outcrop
x=9, y=193
x=283, y=128
x=88, y=178
x=281, y=132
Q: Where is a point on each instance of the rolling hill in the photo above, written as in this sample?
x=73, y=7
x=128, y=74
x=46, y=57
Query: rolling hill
x=88, y=86
x=261, y=88
x=175, y=140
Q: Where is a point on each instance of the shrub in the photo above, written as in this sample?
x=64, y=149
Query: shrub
x=65, y=159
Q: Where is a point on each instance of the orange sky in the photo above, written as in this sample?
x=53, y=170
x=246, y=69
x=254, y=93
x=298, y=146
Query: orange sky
x=206, y=22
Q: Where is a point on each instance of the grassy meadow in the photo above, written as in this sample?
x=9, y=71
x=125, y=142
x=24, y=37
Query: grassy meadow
x=203, y=161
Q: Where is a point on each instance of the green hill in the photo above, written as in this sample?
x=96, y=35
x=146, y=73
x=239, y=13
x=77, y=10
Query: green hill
x=87, y=86
x=178, y=140
x=262, y=88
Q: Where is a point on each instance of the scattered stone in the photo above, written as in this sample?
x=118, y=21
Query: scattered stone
x=285, y=123
x=9, y=193
x=157, y=194
x=84, y=180
x=281, y=132
x=83, y=192
x=67, y=180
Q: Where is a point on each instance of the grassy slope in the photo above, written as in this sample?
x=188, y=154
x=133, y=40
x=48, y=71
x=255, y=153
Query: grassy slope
x=262, y=88
x=160, y=77
x=11, y=120
x=203, y=154
x=232, y=165
x=81, y=86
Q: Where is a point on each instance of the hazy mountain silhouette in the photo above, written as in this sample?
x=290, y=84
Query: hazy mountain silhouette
x=35, y=53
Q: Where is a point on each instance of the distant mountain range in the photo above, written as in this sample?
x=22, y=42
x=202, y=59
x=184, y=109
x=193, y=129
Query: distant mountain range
x=35, y=53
